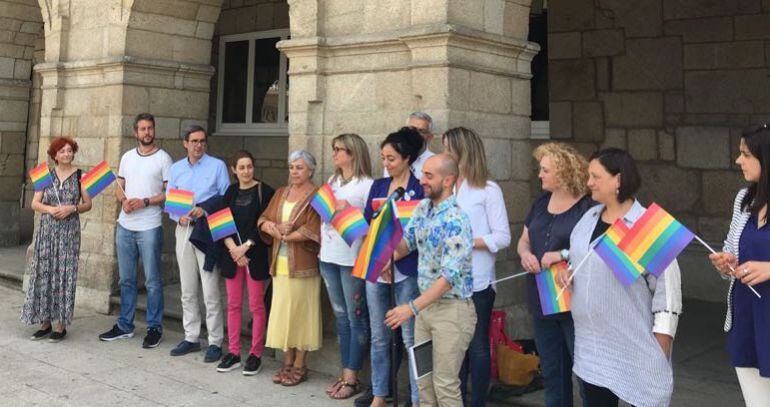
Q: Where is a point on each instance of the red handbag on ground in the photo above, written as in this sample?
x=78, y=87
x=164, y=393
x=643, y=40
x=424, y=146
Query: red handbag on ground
x=497, y=336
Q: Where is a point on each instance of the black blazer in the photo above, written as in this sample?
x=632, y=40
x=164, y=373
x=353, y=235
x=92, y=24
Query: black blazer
x=259, y=266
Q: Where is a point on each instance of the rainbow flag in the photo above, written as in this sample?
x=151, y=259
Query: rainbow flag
x=350, y=224
x=179, y=202
x=222, y=224
x=625, y=269
x=100, y=177
x=548, y=290
x=655, y=240
x=41, y=177
x=405, y=209
x=384, y=235
x=324, y=203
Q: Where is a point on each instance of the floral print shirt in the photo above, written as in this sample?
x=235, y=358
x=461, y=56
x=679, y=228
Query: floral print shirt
x=444, y=243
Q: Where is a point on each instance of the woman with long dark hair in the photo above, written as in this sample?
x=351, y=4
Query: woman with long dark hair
x=746, y=259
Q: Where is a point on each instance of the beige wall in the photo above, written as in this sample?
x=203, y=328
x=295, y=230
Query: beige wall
x=674, y=82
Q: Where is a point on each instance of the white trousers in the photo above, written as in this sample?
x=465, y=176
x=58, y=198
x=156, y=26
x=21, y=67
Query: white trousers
x=192, y=278
x=755, y=388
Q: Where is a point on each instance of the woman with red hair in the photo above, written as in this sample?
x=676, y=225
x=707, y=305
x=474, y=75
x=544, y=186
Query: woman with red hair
x=56, y=245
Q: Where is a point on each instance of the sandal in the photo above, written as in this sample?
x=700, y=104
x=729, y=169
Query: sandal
x=296, y=376
x=281, y=374
x=346, y=391
x=334, y=387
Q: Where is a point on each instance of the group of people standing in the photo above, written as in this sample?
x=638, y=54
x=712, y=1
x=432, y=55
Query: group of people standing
x=617, y=340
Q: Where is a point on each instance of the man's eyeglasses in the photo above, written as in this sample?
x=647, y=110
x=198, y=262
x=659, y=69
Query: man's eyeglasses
x=201, y=141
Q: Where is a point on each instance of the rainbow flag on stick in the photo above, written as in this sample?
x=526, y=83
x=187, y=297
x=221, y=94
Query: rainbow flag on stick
x=350, y=224
x=405, y=209
x=548, y=291
x=624, y=268
x=41, y=177
x=100, y=177
x=385, y=233
x=655, y=240
x=222, y=224
x=179, y=202
x=324, y=203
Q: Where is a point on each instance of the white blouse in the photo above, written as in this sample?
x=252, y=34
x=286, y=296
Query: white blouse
x=489, y=221
x=334, y=249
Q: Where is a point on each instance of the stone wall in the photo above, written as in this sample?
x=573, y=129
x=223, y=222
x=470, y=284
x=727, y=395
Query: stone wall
x=674, y=82
x=20, y=28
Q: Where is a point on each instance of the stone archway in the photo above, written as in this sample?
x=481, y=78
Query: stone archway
x=20, y=42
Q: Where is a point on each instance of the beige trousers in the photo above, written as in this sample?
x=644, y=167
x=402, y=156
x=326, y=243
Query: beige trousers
x=192, y=278
x=450, y=324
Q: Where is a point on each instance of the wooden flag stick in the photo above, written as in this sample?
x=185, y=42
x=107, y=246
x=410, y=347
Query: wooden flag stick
x=709, y=248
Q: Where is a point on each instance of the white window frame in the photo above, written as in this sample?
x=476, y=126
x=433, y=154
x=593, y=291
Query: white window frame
x=248, y=128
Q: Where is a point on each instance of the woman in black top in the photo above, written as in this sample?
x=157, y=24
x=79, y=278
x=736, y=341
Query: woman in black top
x=544, y=241
x=247, y=263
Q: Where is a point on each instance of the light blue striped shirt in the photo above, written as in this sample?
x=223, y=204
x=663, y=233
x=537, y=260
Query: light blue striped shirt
x=206, y=178
x=615, y=326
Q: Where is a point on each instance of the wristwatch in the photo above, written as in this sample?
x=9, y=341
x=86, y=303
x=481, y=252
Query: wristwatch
x=564, y=254
x=146, y=202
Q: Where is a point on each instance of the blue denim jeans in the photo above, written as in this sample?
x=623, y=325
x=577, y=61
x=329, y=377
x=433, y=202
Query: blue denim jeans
x=131, y=245
x=378, y=300
x=348, y=297
x=478, y=361
x=555, y=340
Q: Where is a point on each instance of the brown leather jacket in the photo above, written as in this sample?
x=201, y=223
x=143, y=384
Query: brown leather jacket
x=303, y=256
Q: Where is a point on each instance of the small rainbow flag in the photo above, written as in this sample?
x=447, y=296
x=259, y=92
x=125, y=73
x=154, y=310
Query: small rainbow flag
x=405, y=209
x=100, y=177
x=222, y=224
x=324, y=203
x=655, y=240
x=41, y=177
x=548, y=290
x=179, y=202
x=350, y=224
x=384, y=235
x=625, y=269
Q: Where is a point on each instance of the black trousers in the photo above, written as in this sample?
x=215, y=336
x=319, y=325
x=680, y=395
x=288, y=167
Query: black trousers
x=599, y=396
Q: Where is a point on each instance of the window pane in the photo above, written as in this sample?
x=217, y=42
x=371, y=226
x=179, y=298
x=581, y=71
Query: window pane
x=266, y=69
x=236, y=78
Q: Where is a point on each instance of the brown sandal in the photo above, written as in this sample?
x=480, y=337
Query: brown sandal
x=296, y=376
x=334, y=387
x=346, y=391
x=281, y=374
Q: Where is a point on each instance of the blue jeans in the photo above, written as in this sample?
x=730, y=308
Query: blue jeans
x=478, y=361
x=378, y=300
x=555, y=340
x=131, y=245
x=348, y=297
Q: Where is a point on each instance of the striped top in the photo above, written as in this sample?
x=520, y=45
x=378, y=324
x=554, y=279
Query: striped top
x=740, y=218
x=615, y=345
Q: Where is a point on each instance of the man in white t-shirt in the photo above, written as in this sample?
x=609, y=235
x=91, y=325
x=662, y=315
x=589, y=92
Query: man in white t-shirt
x=423, y=123
x=142, y=177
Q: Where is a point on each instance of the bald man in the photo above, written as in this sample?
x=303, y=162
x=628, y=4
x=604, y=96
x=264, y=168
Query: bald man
x=441, y=233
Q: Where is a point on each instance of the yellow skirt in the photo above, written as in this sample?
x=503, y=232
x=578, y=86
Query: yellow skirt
x=295, y=314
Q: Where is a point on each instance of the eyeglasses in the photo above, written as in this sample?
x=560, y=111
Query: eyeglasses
x=338, y=149
x=201, y=141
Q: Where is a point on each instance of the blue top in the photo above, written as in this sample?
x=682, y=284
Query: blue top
x=548, y=233
x=379, y=189
x=444, y=241
x=206, y=178
x=747, y=341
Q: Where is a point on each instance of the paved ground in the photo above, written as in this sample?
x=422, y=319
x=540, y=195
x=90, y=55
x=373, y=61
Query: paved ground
x=83, y=371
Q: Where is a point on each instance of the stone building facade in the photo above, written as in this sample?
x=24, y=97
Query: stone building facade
x=671, y=80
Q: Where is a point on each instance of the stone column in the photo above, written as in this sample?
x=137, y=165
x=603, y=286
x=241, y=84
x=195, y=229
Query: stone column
x=363, y=66
x=107, y=61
